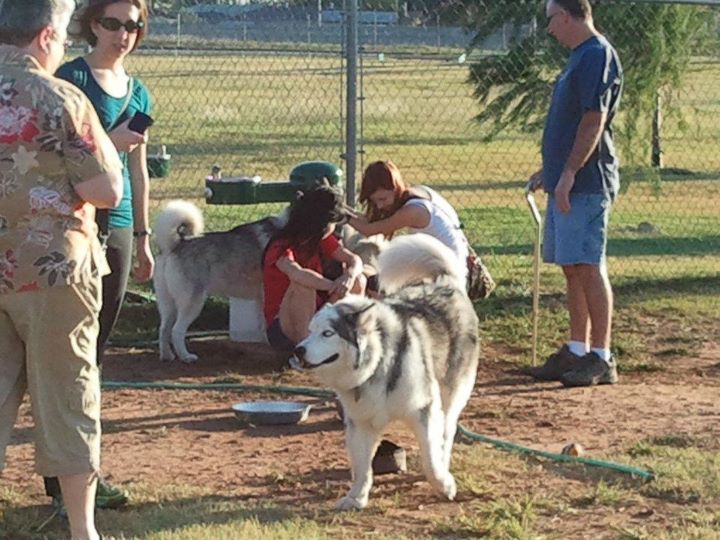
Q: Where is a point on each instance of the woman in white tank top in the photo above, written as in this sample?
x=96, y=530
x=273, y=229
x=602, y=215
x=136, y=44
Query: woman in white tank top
x=392, y=205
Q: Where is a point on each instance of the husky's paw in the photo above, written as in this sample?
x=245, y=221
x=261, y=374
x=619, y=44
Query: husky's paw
x=350, y=503
x=449, y=488
x=295, y=363
x=167, y=354
x=189, y=359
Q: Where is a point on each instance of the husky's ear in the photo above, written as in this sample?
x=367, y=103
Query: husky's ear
x=364, y=319
x=355, y=323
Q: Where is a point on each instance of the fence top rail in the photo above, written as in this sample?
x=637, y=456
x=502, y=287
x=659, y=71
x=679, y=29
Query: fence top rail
x=691, y=2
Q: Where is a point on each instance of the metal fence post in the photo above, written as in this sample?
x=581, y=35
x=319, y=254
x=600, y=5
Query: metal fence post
x=375, y=25
x=351, y=20
x=308, y=28
x=437, y=30
x=177, y=32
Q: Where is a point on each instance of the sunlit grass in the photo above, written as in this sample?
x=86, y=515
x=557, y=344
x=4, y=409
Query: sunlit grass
x=688, y=467
x=262, y=113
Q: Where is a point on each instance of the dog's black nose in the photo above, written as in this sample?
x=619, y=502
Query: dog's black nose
x=299, y=352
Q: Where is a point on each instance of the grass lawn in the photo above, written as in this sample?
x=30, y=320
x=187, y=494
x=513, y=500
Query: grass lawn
x=263, y=113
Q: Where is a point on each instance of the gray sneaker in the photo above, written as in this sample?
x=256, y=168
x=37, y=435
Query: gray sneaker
x=555, y=366
x=591, y=370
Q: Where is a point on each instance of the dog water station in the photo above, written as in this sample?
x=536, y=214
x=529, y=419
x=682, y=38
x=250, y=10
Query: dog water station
x=158, y=164
x=247, y=322
x=252, y=190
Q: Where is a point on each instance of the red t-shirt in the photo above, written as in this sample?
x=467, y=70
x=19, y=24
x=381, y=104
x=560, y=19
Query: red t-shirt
x=276, y=282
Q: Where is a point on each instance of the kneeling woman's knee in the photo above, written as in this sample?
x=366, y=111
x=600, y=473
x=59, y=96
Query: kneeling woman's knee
x=296, y=310
x=300, y=293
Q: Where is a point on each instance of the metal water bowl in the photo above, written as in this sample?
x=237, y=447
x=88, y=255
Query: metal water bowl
x=271, y=412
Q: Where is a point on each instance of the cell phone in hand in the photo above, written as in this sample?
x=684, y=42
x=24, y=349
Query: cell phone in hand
x=140, y=122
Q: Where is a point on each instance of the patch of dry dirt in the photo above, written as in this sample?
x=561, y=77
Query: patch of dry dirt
x=192, y=437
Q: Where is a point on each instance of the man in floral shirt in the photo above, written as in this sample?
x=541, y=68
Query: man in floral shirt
x=56, y=166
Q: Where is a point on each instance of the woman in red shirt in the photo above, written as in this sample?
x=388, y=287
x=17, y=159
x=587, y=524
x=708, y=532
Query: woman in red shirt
x=293, y=281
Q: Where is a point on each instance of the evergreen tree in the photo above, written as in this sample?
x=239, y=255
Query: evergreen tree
x=654, y=41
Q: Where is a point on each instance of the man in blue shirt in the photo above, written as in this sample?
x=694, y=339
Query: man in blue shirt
x=580, y=175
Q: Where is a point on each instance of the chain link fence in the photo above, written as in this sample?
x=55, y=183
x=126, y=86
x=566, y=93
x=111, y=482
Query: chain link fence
x=454, y=92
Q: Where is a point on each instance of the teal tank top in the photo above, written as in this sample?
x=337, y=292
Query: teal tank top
x=110, y=111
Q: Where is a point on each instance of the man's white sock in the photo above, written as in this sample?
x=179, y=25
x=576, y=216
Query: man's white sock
x=578, y=348
x=604, y=354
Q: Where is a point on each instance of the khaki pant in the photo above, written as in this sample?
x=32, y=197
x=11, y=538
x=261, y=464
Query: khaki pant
x=48, y=342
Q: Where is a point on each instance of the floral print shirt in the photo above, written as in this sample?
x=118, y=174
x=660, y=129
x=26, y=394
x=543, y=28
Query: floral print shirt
x=50, y=140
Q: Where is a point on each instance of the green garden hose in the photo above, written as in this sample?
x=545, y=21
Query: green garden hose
x=512, y=447
x=129, y=343
x=297, y=390
x=324, y=393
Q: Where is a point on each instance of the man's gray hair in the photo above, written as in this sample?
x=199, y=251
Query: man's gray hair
x=579, y=9
x=22, y=20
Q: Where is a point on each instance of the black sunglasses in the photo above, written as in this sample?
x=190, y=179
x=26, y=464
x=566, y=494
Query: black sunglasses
x=113, y=24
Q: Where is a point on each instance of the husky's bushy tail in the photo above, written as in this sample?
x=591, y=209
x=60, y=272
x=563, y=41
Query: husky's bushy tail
x=179, y=219
x=415, y=258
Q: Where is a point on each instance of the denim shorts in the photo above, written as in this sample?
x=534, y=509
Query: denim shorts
x=580, y=236
x=277, y=338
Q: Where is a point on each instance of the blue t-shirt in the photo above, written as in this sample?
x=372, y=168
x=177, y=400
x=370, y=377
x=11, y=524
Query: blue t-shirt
x=110, y=111
x=591, y=81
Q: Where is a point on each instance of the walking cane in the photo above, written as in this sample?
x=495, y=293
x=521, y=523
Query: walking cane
x=537, y=219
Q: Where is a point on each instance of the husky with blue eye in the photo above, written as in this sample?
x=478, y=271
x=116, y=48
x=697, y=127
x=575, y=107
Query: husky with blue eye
x=410, y=356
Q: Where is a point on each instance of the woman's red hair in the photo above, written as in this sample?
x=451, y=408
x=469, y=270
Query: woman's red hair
x=382, y=175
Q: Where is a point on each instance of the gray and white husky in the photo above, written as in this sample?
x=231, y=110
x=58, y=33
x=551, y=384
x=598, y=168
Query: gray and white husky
x=191, y=265
x=411, y=356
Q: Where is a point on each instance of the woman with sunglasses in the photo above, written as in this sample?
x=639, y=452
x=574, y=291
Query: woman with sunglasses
x=114, y=29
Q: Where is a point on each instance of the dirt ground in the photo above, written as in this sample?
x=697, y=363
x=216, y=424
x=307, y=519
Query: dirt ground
x=192, y=437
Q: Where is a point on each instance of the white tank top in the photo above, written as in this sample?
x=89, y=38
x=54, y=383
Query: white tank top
x=444, y=224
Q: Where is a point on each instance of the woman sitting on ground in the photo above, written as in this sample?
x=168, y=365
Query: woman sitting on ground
x=390, y=205
x=292, y=267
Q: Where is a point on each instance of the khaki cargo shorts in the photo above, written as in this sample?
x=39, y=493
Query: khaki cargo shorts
x=48, y=341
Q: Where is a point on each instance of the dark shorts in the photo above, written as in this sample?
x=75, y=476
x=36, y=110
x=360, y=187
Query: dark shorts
x=277, y=338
